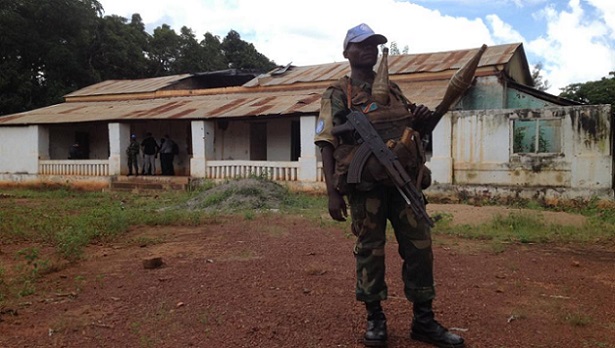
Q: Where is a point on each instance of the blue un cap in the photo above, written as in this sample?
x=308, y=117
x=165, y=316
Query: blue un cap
x=361, y=33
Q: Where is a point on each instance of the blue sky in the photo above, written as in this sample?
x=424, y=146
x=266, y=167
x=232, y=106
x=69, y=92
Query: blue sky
x=574, y=40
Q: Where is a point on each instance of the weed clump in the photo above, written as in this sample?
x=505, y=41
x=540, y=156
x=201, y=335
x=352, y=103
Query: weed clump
x=239, y=195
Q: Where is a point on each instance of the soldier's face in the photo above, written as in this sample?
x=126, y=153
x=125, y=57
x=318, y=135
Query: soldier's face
x=362, y=54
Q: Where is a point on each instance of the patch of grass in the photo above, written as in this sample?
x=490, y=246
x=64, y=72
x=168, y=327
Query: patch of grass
x=29, y=271
x=216, y=198
x=144, y=241
x=523, y=227
x=577, y=319
x=248, y=215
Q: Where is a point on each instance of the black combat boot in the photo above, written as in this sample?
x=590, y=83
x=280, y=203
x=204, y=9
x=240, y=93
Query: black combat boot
x=376, y=333
x=426, y=329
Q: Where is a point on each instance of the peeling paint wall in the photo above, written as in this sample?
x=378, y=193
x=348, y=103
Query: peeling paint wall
x=483, y=149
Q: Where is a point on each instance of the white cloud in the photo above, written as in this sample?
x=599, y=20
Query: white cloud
x=503, y=32
x=607, y=10
x=574, y=48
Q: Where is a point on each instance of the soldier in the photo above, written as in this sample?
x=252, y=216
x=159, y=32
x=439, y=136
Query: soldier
x=132, y=151
x=374, y=200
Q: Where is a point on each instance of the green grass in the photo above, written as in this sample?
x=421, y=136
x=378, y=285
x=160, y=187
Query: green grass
x=528, y=228
x=68, y=220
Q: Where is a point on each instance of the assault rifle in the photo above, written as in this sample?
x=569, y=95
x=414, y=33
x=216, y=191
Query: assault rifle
x=372, y=144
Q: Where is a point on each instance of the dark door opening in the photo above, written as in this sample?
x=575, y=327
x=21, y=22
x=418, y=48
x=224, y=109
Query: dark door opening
x=295, y=140
x=258, y=141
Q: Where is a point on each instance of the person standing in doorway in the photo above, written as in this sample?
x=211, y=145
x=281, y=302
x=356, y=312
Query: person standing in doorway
x=150, y=152
x=132, y=151
x=168, y=149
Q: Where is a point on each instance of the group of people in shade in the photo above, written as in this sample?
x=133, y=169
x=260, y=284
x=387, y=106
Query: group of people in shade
x=149, y=149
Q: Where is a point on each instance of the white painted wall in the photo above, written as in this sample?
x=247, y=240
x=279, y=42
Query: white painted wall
x=203, y=135
x=233, y=143
x=278, y=140
x=308, y=157
x=19, y=149
x=119, y=139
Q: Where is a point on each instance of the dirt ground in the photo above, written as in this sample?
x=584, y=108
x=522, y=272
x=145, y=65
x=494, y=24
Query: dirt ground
x=288, y=281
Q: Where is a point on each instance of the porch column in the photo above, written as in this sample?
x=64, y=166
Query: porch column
x=307, y=160
x=119, y=138
x=441, y=161
x=202, y=147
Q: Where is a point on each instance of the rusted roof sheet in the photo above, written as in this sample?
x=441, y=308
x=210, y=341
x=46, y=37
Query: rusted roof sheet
x=269, y=95
x=398, y=65
x=194, y=107
x=205, y=107
x=128, y=86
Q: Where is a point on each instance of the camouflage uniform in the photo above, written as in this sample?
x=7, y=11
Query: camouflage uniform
x=133, y=154
x=373, y=203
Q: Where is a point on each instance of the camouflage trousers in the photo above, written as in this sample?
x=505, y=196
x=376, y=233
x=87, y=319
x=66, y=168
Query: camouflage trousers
x=133, y=162
x=370, y=211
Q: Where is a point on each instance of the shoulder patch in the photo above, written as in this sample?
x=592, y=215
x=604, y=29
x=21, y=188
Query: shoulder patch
x=320, y=126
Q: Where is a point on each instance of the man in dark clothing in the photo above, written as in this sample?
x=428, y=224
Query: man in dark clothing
x=167, y=153
x=76, y=152
x=150, y=152
x=375, y=200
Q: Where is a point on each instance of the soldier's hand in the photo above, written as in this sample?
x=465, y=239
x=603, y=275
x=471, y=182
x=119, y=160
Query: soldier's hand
x=421, y=112
x=337, y=207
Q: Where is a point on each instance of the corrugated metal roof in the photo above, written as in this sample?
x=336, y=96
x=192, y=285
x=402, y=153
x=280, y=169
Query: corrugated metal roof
x=195, y=107
x=204, y=107
x=268, y=95
x=398, y=65
x=128, y=86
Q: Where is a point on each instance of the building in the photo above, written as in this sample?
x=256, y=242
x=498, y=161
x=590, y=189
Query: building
x=502, y=138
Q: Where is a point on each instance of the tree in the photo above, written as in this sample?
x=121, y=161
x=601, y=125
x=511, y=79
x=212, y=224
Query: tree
x=243, y=55
x=191, y=55
x=164, y=48
x=539, y=83
x=592, y=92
x=118, y=48
x=53, y=47
x=44, y=56
x=212, y=47
x=394, y=49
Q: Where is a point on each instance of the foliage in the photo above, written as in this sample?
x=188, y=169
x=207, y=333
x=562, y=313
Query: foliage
x=44, y=56
x=394, y=49
x=539, y=82
x=243, y=55
x=592, y=92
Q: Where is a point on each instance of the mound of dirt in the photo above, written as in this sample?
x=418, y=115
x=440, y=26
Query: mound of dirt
x=237, y=195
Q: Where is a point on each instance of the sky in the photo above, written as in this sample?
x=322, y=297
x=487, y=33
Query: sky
x=574, y=40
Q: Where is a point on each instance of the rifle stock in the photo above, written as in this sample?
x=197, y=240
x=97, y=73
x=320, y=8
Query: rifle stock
x=357, y=121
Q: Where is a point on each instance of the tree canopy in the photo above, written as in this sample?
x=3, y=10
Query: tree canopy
x=592, y=92
x=53, y=47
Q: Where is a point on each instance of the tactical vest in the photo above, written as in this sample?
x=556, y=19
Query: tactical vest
x=390, y=121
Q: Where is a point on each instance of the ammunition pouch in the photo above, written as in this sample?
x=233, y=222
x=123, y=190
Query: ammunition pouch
x=343, y=155
x=356, y=167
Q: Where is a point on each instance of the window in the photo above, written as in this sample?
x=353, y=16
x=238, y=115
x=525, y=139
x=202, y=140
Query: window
x=536, y=136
